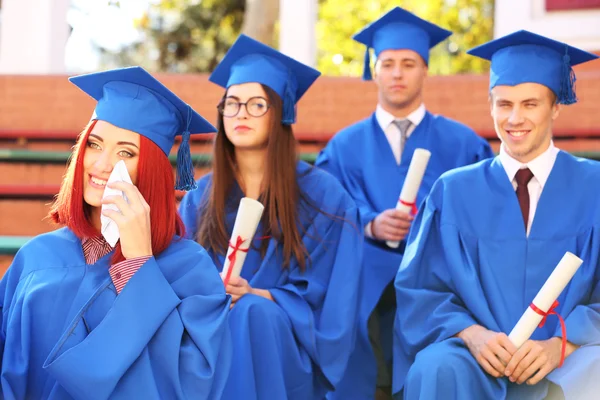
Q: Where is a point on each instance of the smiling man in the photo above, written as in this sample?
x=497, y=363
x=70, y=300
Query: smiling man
x=371, y=159
x=488, y=238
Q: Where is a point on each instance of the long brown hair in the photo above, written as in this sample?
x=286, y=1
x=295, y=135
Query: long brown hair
x=281, y=194
x=155, y=182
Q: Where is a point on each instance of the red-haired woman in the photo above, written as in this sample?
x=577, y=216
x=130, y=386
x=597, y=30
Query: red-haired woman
x=294, y=314
x=143, y=320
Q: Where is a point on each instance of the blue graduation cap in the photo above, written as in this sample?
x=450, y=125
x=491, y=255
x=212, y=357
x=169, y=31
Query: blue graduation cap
x=251, y=61
x=396, y=30
x=524, y=56
x=130, y=98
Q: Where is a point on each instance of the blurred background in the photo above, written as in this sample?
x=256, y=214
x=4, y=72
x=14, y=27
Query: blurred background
x=42, y=42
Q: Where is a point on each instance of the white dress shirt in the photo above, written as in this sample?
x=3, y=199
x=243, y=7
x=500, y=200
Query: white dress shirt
x=392, y=133
x=541, y=166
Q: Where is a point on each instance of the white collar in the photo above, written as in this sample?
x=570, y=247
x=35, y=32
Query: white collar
x=541, y=166
x=384, y=118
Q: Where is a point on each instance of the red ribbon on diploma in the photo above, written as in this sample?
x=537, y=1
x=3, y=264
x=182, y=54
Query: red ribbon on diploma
x=233, y=256
x=412, y=205
x=562, y=326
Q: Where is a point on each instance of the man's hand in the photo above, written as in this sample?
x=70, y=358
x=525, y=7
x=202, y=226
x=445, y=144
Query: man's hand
x=536, y=359
x=492, y=350
x=392, y=225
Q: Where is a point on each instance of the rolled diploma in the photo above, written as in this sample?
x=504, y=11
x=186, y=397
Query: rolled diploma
x=246, y=221
x=412, y=183
x=553, y=287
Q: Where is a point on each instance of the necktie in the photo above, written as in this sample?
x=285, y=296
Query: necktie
x=403, y=125
x=523, y=177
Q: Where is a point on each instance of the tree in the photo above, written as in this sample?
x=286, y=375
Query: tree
x=470, y=20
x=184, y=36
x=193, y=36
x=260, y=20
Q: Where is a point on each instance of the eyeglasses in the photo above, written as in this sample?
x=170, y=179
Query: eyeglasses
x=255, y=106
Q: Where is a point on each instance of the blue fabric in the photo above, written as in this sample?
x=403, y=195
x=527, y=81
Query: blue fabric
x=361, y=158
x=468, y=261
x=579, y=375
x=526, y=57
x=67, y=335
x=298, y=346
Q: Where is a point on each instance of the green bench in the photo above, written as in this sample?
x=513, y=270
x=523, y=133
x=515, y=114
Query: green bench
x=9, y=245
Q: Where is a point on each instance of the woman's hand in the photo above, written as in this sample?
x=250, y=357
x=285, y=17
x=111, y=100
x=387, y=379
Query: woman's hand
x=238, y=287
x=133, y=220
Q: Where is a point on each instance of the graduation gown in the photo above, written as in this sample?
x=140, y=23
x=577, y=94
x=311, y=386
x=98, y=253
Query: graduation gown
x=469, y=261
x=360, y=156
x=66, y=334
x=296, y=347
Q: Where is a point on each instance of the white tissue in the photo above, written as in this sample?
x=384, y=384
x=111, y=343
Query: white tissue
x=110, y=230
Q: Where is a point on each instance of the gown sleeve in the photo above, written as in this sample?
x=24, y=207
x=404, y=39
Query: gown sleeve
x=425, y=292
x=322, y=301
x=331, y=159
x=583, y=323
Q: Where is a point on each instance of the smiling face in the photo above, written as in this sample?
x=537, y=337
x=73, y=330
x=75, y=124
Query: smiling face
x=399, y=75
x=523, y=117
x=107, y=145
x=246, y=131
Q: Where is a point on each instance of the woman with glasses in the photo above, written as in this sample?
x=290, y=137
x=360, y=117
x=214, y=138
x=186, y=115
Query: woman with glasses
x=294, y=306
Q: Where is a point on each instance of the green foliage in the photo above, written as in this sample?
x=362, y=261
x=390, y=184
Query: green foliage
x=186, y=36
x=470, y=20
x=193, y=35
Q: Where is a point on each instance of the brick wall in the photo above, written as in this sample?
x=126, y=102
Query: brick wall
x=52, y=103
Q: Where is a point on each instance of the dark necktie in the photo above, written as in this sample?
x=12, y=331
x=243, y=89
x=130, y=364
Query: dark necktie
x=523, y=177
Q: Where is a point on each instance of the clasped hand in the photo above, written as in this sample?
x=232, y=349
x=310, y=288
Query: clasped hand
x=498, y=356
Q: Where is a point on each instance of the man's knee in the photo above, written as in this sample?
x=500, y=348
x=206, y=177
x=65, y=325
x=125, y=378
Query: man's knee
x=440, y=361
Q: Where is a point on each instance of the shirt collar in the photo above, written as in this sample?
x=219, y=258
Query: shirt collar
x=384, y=118
x=541, y=166
x=95, y=247
x=94, y=241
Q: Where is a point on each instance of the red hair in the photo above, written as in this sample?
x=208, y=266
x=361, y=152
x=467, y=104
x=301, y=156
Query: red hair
x=155, y=182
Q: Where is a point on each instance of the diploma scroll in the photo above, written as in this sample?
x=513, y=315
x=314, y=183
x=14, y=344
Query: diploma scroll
x=545, y=300
x=412, y=183
x=248, y=217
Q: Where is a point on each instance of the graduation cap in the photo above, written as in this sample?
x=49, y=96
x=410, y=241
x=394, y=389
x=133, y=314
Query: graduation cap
x=251, y=61
x=524, y=56
x=130, y=98
x=396, y=30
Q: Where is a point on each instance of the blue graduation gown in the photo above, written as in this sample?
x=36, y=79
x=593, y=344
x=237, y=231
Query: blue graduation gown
x=66, y=334
x=361, y=158
x=469, y=261
x=296, y=347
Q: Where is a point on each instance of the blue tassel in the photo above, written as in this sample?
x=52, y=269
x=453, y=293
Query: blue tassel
x=185, y=168
x=367, y=67
x=567, y=81
x=289, y=101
